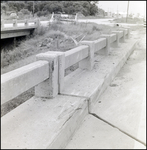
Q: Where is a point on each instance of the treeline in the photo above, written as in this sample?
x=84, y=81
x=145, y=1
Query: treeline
x=42, y=8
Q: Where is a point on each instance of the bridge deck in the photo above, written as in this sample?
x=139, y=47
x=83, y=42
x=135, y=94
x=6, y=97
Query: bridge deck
x=56, y=119
x=13, y=29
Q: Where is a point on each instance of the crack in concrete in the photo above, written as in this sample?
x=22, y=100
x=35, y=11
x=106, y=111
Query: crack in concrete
x=66, y=120
x=95, y=115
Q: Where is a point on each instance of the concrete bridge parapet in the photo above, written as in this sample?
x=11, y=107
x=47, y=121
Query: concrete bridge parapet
x=17, y=28
x=49, y=119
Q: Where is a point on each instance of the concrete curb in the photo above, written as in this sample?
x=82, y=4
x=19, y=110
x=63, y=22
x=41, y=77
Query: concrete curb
x=42, y=123
x=92, y=84
x=108, y=79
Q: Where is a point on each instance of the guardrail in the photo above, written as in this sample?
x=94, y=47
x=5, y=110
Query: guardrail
x=20, y=80
x=63, y=17
x=16, y=28
x=16, y=24
x=47, y=74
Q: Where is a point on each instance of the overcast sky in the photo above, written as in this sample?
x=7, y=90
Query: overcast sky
x=134, y=6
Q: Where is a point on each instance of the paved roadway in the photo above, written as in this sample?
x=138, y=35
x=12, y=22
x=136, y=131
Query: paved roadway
x=118, y=120
x=106, y=21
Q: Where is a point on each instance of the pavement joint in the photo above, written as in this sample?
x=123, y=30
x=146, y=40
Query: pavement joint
x=95, y=115
x=74, y=96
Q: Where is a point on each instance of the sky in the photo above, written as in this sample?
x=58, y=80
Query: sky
x=134, y=6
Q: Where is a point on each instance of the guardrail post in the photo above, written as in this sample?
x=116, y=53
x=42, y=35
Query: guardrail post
x=2, y=24
x=117, y=37
x=15, y=23
x=26, y=23
x=61, y=64
x=123, y=39
x=128, y=34
x=48, y=88
x=61, y=68
x=88, y=63
x=106, y=50
x=37, y=22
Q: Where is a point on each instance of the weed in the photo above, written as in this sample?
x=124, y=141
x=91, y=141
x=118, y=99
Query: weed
x=40, y=30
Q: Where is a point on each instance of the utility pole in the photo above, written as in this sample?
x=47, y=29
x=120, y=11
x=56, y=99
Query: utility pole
x=144, y=13
x=33, y=8
x=127, y=12
x=117, y=11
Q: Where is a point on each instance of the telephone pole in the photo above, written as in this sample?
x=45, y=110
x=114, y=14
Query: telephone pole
x=127, y=12
x=33, y=8
x=117, y=11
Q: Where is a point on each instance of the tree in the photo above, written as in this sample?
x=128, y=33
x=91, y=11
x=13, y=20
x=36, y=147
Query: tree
x=4, y=8
x=93, y=9
x=70, y=7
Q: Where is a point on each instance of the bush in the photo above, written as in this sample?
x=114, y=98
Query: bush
x=25, y=11
x=56, y=26
x=40, y=30
x=42, y=13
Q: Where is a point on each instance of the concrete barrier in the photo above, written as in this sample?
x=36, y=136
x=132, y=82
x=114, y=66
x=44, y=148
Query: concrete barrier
x=124, y=34
x=18, y=28
x=26, y=23
x=6, y=23
x=15, y=23
x=59, y=61
x=112, y=38
x=106, y=49
x=121, y=34
x=127, y=31
x=88, y=62
x=45, y=124
x=75, y=55
x=48, y=88
x=118, y=36
x=20, y=80
x=100, y=44
x=94, y=46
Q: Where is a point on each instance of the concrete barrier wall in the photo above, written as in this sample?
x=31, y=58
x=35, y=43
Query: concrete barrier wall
x=99, y=44
x=75, y=55
x=47, y=75
x=126, y=31
x=112, y=38
x=20, y=80
x=19, y=23
x=120, y=34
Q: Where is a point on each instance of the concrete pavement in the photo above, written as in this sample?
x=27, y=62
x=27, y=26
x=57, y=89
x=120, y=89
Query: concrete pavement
x=118, y=119
x=97, y=134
